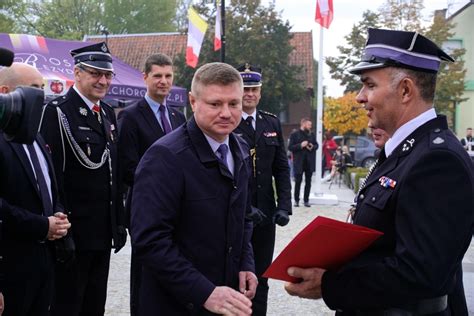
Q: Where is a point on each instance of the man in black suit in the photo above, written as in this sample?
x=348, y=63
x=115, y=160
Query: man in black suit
x=190, y=200
x=140, y=125
x=29, y=211
x=81, y=131
x=420, y=195
x=262, y=132
x=303, y=145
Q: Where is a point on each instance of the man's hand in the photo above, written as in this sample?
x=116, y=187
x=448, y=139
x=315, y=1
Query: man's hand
x=248, y=283
x=304, y=143
x=121, y=238
x=281, y=217
x=226, y=301
x=256, y=216
x=310, y=287
x=58, y=226
x=2, y=304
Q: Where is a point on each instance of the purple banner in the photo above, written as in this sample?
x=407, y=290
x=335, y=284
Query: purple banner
x=51, y=57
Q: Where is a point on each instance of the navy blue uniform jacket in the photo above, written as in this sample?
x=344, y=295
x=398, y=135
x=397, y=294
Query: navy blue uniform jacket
x=427, y=220
x=91, y=196
x=188, y=219
x=271, y=161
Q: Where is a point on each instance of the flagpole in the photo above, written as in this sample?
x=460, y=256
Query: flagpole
x=319, y=113
x=222, y=8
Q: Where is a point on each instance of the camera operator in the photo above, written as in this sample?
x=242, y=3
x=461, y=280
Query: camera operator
x=29, y=211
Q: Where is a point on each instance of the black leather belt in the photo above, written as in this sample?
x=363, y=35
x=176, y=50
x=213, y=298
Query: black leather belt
x=423, y=307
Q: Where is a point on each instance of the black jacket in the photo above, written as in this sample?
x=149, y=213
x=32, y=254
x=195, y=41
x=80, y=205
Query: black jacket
x=90, y=196
x=427, y=219
x=270, y=162
x=300, y=155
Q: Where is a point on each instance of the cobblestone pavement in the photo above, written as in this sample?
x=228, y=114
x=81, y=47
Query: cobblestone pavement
x=279, y=303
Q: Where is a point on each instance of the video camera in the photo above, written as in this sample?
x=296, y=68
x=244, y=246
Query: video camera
x=20, y=110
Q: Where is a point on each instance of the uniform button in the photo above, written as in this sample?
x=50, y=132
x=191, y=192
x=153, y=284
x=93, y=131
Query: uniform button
x=258, y=158
x=87, y=138
x=437, y=130
x=235, y=187
x=256, y=145
x=259, y=172
x=259, y=186
x=230, y=249
x=190, y=306
x=373, y=199
x=361, y=197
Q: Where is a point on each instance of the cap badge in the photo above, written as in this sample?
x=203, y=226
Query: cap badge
x=408, y=144
x=83, y=111
x=247, y=67
x=438, y=140
x=104, y=48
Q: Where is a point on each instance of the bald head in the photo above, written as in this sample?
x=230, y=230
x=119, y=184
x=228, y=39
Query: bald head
x=19, y=74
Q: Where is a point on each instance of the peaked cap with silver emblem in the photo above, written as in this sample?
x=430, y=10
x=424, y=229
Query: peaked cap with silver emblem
x=95, y=56
x=387, y=48
x=251, y=75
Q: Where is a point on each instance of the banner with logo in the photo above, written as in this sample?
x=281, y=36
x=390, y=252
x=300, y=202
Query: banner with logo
x=51, y=57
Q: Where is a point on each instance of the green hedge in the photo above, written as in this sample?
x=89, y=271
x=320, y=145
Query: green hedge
x=359, y=173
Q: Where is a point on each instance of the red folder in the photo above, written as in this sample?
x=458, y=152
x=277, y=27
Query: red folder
x=325, y=243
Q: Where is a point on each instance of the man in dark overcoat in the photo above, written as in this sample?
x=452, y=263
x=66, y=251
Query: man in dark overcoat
x=262, y=132
x=420, y=193
x=140, y=125
x=31, y=215
x=303, y=146
x=81, y=131
x=190, y=200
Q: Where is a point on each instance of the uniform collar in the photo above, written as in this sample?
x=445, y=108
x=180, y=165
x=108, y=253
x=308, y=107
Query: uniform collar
x=406, y=129
x=254, y=115
x=88, y=102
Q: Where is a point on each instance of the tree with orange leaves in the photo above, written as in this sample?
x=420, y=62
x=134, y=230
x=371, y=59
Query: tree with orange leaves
x=344, y=115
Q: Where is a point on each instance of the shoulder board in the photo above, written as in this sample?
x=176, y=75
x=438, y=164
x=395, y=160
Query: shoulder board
x=438, y=138
x=58, y=101
x=268, y=113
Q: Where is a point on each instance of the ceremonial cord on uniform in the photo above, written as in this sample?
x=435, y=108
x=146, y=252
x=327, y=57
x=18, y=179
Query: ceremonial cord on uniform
x=76, y=149
x=351, y=212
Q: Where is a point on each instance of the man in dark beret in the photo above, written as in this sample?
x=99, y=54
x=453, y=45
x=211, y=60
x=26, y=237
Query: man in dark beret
x=81, y=130
x=420, y=194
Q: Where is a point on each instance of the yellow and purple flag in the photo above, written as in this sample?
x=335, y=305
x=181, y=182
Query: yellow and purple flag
x=196, y=29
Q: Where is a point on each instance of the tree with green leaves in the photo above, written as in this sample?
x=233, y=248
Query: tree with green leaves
x=7, y=24
x=404, y=15
x=254, y=34
x=72, y=19
x=450, y=81
x=351, y=54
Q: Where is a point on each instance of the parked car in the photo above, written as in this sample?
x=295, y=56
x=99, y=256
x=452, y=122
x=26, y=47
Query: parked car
x=362, y=149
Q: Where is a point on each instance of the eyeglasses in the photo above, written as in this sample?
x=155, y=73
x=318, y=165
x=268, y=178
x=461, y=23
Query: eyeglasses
x=97, y=74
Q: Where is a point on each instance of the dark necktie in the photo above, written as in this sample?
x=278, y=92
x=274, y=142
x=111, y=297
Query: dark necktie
x=164, y=121
x=223, y=150
x=43, y=188
x=249, y=120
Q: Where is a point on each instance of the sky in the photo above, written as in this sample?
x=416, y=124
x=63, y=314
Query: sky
x=300, y=14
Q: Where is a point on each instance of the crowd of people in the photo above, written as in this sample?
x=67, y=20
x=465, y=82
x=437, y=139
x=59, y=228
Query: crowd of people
x=203, y=196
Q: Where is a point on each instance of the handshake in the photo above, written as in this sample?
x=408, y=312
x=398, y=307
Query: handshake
x=281, y=217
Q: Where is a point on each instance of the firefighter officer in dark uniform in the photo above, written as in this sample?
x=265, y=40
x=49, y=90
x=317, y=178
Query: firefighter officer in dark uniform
x=262, y=131
x=81, y=131
x=420, y=194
